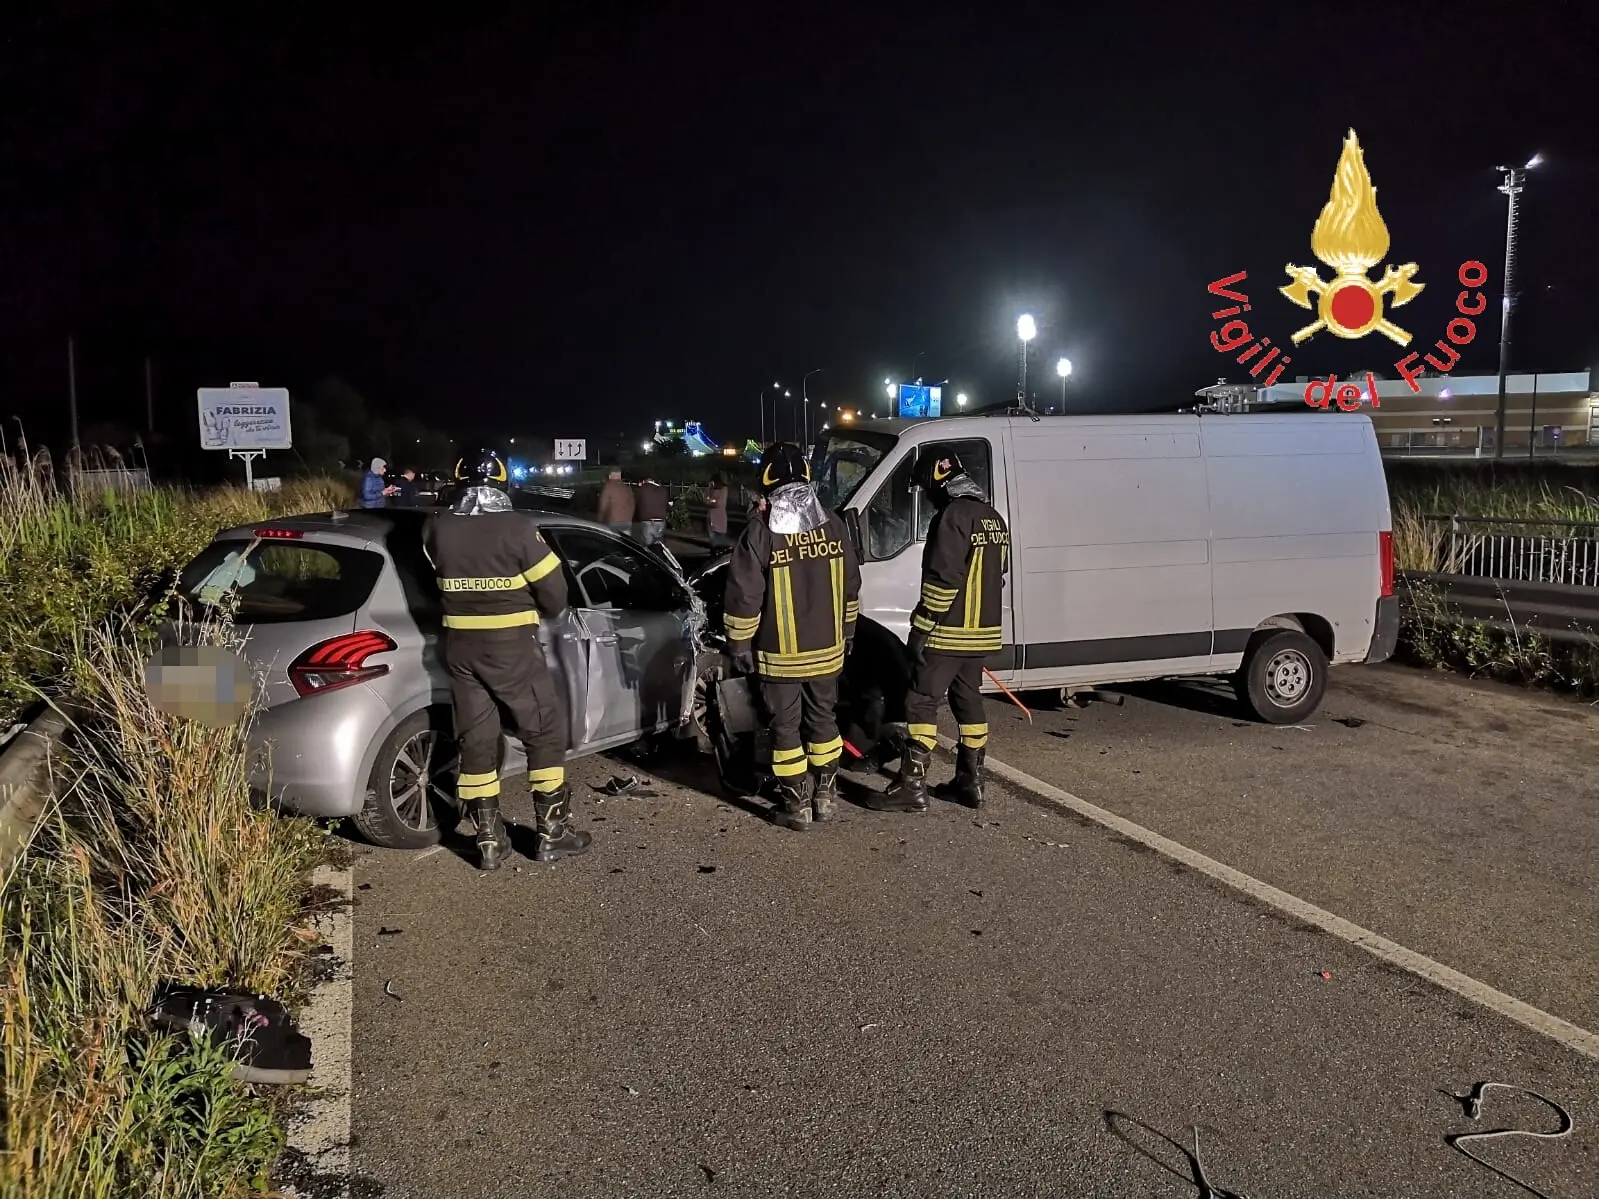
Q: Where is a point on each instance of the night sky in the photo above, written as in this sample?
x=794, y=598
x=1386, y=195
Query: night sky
x=574, y=225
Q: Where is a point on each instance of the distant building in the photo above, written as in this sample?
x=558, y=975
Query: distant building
x=1455, y=414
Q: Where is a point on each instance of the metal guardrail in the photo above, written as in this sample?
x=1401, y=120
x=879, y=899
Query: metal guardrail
x=1553, y=611
x=1543, y=551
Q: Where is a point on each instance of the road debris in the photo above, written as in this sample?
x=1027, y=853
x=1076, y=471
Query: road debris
x=1327, y=974
x=388, y=989
x=863, y=1028
x=629, y=1089
x=619, y=785
x=1472, y=1102
x=390, y=932
x=707, y=869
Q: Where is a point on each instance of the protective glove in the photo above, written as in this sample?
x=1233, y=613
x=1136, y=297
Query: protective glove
x=917, y=644
x=743, y=655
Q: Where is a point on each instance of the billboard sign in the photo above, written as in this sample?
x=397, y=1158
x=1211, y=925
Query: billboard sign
x=244, y=418
x=917, y=402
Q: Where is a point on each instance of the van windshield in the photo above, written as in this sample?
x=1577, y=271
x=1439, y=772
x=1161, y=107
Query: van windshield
x=841, y=461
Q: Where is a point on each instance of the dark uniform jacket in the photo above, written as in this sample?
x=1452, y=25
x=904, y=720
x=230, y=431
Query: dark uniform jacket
x=963, y=574
x=495, y=572
x=797, y=595
x=651, y=502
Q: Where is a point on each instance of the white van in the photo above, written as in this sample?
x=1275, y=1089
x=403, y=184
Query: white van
x=1256, y=546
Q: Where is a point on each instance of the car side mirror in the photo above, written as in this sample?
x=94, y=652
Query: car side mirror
x=852, y=522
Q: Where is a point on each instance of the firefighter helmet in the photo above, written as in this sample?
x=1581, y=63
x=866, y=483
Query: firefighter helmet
x=783, y=462
x=933, y=471
x=482, y=468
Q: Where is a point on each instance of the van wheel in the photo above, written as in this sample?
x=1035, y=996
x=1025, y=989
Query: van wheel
x=410, y=797
x=1283, y=677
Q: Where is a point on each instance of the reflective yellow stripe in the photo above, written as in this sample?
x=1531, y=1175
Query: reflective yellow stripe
x=787, y=753
x=937, y=599
x=923, y=734
x=486, y=583
x=923, y=624
x=947, y=632
x=974, y=730
x=974, y=590
x=546, y=779
x=827, y=757
x=822, y=747
x=783, y=610
x=852, y=610
x=983, y=642
x=741, y=628
x=784, y=770
x=769, y=668
x=505, y=620
x=543, y=567
x=480, y=785
x=836, y=566
x=810, y=655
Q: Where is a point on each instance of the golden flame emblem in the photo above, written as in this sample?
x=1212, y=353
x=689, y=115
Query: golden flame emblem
x=1351, y=238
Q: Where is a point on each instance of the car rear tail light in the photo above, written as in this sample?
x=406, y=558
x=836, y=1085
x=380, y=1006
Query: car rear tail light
x=279, y=534
x=339, y=662
x=1385, y=553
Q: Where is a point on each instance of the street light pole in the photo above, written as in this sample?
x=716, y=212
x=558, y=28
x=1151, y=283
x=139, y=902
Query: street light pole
x=1026, y=330
x=805, y=399
x=1515, y=179
x=1063, y=368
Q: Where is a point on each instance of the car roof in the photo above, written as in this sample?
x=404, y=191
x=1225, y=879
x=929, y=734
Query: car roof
x=361, y=526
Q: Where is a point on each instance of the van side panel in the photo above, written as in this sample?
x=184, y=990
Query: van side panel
x=1111, y=522
x=1297, y=503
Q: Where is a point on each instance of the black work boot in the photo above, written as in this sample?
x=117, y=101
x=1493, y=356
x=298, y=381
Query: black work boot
x=908, y=792
x=824, y=800
x=793, y=808
x=557, y=838
x=966, y=788
x=493, y=842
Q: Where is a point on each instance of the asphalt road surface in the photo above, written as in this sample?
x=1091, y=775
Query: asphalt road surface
x=1015, y=1002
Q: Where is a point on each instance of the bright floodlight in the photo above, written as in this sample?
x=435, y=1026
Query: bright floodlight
x=890, y=390
x=1535, y=160
x=960, y=400
x=1026, y=327
x=646, y=446
x=1063, y=367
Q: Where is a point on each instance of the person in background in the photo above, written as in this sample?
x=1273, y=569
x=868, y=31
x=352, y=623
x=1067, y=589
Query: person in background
x=374, y=491
x=716, y=513
x=616, y=503
x=651, y=511
x=405, y=495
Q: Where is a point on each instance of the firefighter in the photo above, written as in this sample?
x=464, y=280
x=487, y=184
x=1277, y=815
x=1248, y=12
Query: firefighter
x=793, y=590
x=497, y=577
x=954, y=626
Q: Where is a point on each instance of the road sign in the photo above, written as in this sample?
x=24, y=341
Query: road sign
x=244, y=417
x=570, y=450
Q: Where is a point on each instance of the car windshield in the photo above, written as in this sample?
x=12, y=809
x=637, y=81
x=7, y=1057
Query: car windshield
x=842, y=460
x=281, y=580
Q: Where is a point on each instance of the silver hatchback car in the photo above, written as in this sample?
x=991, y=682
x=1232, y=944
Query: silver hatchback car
x=342, y=621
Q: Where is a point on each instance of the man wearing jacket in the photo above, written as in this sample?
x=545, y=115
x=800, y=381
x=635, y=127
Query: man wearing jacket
x=793, y=592
x=616, y=503
x=955, y=625
x=651, y=511
x=497, y=577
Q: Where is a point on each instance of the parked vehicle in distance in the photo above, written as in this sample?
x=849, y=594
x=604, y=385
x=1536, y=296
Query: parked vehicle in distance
x=1253, y=546
x=342, y=619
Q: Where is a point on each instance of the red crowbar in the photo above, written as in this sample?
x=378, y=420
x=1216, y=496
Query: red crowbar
x=1009, y=694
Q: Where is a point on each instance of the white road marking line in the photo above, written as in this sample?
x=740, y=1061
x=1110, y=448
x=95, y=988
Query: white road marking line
x=1536, y=1019
x=322, y=1129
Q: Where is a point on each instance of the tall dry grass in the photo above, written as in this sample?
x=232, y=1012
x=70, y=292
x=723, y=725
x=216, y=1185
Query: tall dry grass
x=67, y=563
x=1418, y=539
x=152, y=866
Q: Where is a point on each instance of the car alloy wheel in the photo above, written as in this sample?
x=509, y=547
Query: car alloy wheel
x=423, y=773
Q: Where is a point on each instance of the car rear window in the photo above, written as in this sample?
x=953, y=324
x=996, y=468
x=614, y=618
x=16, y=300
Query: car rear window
x=282, y=581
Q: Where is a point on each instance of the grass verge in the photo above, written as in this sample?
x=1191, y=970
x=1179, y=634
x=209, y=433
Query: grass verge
x=152, y=865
